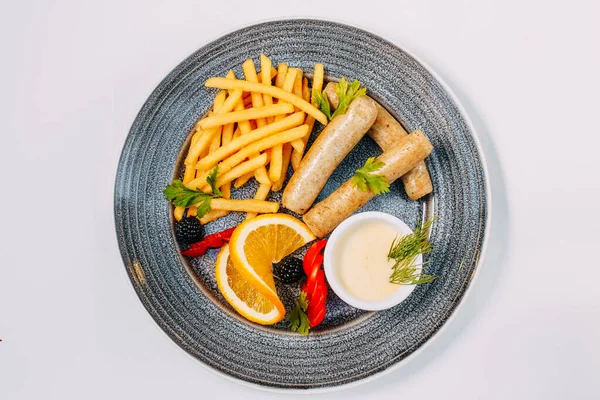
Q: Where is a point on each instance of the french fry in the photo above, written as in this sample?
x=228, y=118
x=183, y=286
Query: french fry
x=178, y=213
x=305, y=90
x=261, y=145
x=241, y=181
x=223, y=83
x=227, y=137
x=190, y=169
x=276, y=163
x=239, y=170
x=257, y=99
x=235, y=95
x=318, y=76
x=242, y=126
x=201, y=144
x=245, y=115
x=282, y=69
x=257, y=206
x=265, y=71
x=285, y=163
x=273, y=74
x=245, y=126
x=213, y=215
x=317, y=87
x=300, y=144
x=297, y=90
x=277, y=151
x=215, y=143
x=261, y=194
x=219, y=101
x=236, y=144
x=237, y=133
x=261, y=175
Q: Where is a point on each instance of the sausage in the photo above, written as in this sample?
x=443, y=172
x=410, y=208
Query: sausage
x=333, y=144
x=348, y=198
x=386, y=132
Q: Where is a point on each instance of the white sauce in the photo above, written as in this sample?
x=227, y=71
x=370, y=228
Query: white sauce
x=361, y=261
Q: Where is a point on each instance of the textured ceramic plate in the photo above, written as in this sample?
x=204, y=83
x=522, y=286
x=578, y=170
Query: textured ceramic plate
x=350, y=345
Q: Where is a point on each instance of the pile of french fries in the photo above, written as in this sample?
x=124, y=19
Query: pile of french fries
x=256, y=128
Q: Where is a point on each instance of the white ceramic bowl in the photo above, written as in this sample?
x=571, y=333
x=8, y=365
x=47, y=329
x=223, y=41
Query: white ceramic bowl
x=331, y=269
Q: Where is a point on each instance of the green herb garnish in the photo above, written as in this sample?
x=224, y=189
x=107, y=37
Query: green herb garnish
x=404, y=250
x=182, y=196
x=365, y=178
x=322, y=103
x=211, y=179
x=345, y=92
x=297, y=318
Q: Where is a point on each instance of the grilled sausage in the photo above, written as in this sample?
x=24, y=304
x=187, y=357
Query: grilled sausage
x=339, y=205
x=333, y=144
x=386, y=132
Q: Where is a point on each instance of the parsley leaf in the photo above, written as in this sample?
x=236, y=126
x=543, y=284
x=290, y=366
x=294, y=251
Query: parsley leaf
x=297, y=318
x=322, y=103
x=365, y=179
x=182, y=196
x=212, y=181
x=345, y=92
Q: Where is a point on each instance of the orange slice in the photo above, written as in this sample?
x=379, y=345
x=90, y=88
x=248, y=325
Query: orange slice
x=242, y=296
x=259, y=242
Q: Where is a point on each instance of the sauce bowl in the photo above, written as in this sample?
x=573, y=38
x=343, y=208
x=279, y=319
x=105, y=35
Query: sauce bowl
x=332, y=269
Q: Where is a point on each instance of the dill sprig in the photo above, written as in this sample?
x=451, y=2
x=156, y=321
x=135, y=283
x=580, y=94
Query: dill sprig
x=404, y=250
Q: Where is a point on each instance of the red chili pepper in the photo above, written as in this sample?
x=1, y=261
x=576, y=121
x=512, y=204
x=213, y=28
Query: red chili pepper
x=309, y=258
x=212, y=241
x=315, y=286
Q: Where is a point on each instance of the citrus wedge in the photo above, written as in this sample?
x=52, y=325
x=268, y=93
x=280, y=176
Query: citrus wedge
x=244, y=297
x=259, y=242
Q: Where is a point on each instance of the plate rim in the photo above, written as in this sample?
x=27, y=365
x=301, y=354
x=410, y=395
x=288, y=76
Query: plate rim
x=484, y=245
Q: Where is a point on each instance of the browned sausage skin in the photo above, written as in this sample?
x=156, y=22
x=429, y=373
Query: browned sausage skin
x=329, y=149
x=386, y=132
x=401, y=158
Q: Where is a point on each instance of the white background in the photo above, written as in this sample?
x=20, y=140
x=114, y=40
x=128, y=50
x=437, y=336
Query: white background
x=73, y=76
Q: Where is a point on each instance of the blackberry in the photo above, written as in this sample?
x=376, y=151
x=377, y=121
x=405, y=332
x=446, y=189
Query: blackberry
x=189, y=230
x=289, y=270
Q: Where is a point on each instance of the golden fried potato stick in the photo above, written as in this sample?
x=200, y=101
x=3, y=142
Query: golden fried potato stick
x=245, y=115
x=215, y=143
x=261, y=194
x=297, y=90
x=285, y=163
x=257, y=206
x=265, y=71
x=178, y=213
x=275, y=170
x=236, y=144
x=300, y=144
x=213, y=215
x=239, y=170
x=273, y=74
x=263, y=144
x=257, y=99
x=317, y=87
x=282, y=69
x=227, y=164
x=242, y=180
x=223, y=83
